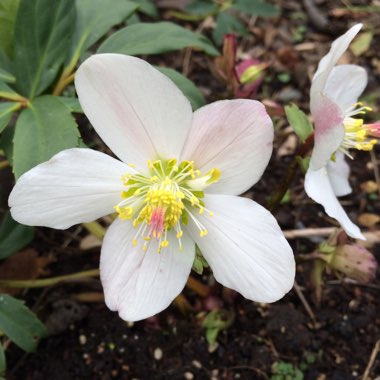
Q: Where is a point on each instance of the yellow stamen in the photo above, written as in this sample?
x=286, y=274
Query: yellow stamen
x=164, y=200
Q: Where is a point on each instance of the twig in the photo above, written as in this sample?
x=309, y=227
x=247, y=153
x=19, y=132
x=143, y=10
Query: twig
x=349, y=281
x=41, y=283
x=309, y=232
x=306, y=305
x=372, y=237
x=372, y=358
x=189, y=50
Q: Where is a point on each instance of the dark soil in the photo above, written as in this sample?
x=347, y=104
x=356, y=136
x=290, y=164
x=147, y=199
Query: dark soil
x=332, y=341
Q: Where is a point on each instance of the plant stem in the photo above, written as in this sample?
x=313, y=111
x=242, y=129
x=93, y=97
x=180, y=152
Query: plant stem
x=41, y=283
x=283, y=187
x=63, y=82
x=96, y=229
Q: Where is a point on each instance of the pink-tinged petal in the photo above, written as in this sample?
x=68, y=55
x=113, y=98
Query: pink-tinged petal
x=138, y=112
x=345, y=84
x=75, y=186
x=338, y=172
x=318, y=188
x=338, y=47
x=329, y=131
x=245, y=248
x=235, y=136
x=140, y=284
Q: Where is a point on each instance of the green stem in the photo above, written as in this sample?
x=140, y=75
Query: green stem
x=63, y=82
x=41, y=283
x=96, y=229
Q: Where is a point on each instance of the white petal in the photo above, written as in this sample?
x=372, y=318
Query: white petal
x=138, y=112
x=235, y=136
x=338, y=47
x=338, y=172
x=140, y=284
x=75, y=186
x=345, y=84
x=329, y=131
x=245, y=248
x=318, y=187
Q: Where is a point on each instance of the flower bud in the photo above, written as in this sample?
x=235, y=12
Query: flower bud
x=354, y=261
x=250, y=73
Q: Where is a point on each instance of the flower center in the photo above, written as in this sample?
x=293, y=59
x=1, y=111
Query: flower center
x=164, y=200
x=357, y=134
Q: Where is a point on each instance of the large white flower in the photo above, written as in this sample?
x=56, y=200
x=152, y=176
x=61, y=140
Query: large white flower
x=173, y=156
x=333, y=102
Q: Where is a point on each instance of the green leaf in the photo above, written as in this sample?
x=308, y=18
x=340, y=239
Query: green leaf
x=42, y=36
x=256, y=8
x=42, y=130
x=362, y=43
x=147, y=7
x=19, y=324
x=155, y=38
x=225, y=24
x=8, y=12
x=216, y=321
x=189, y=89
x=6, y=112
x=94, y=19
x=5, y=63
x=3, y=363
x=299, y=122
x=71, y=103
x=6, y=76
x=201, y=7
x=212, y=335
x=13, y=236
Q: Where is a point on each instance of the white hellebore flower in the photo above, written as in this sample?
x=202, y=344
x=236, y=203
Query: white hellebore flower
x=169, y=158
x=333, y=103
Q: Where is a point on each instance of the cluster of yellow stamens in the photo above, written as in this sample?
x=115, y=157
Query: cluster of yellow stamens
x=357, y=134
x=164, y=200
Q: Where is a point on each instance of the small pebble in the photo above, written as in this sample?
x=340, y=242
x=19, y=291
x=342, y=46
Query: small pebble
x=158, y=354
x=197, y=364
x=82, y=339
x=188, y=376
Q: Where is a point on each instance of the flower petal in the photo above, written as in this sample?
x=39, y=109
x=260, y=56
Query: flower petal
x=245, y=248
x=138, y=112
x=338, y=173
x=318, y=187
x=75, y=186
x=329, y=131
x=140, y=284
x=235, y=136
x=326, y=64
x=345, y=84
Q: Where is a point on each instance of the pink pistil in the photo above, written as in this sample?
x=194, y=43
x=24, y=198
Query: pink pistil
x=373, y=129
x=157, y=222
